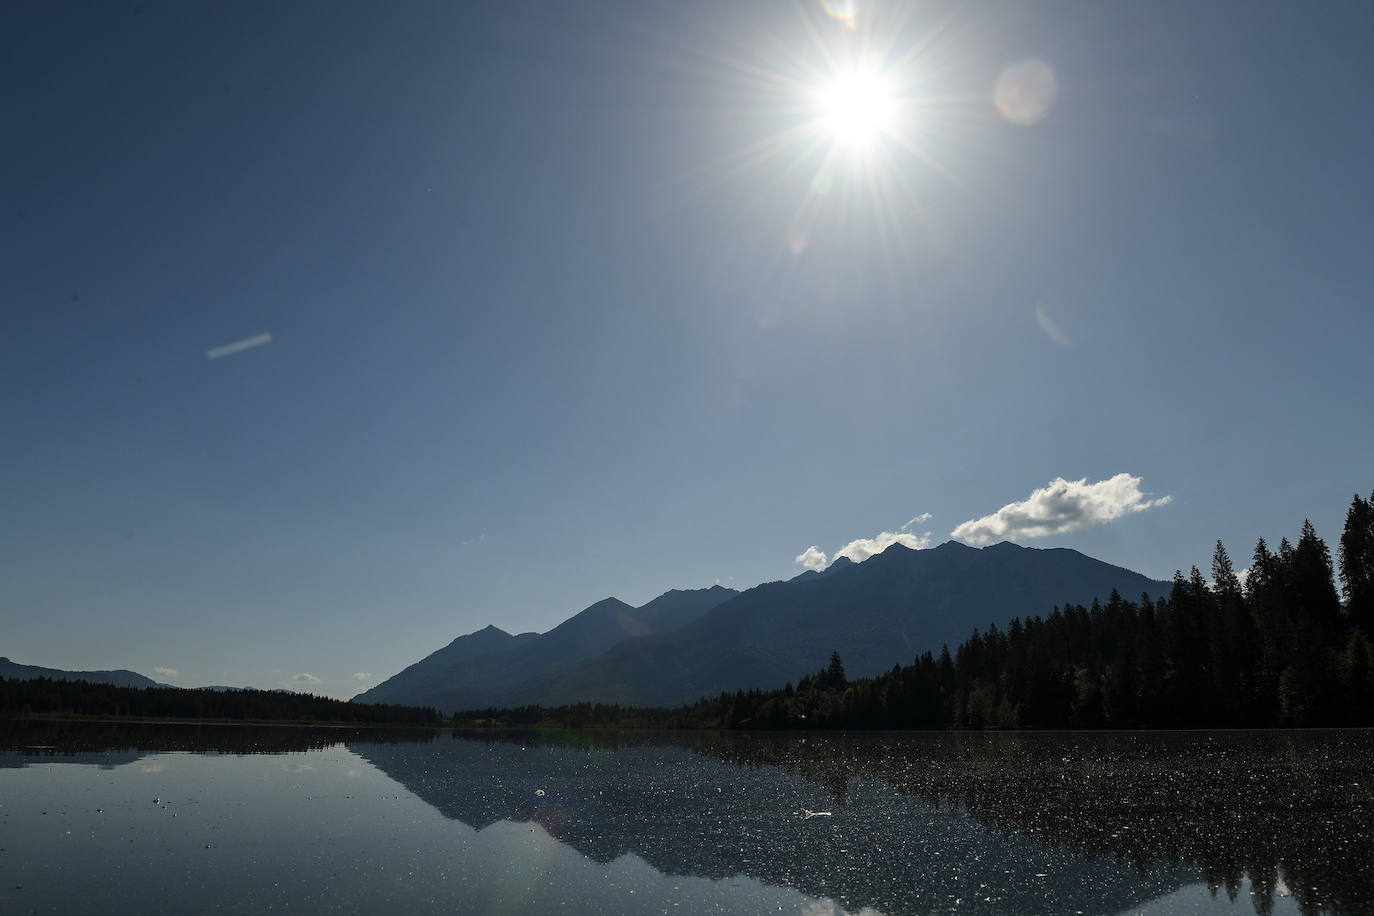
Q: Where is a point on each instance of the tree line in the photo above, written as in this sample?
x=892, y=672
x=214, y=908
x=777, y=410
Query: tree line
x=1276, y=647
x=49, y=697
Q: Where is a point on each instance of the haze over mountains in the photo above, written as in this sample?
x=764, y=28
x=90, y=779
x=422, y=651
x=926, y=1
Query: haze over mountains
x=488, y=664
x=688, y=644
x=120, y=678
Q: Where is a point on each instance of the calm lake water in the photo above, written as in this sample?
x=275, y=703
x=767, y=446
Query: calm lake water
x=104, y=818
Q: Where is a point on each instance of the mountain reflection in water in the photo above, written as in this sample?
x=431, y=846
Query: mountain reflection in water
x=1024, y=823
x=1098, y=822
x=75, y=740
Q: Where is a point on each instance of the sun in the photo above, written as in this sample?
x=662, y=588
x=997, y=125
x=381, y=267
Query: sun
x=857, y=108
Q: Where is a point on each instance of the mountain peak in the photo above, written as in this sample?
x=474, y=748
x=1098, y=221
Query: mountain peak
x=877, y=613
x=484, y=635
x=1006, y=546
x=608, y=604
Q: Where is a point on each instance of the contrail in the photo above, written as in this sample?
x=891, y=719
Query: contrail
x=245, y=344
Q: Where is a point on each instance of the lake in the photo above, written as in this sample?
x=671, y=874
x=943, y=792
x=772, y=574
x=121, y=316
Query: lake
x=109, y=818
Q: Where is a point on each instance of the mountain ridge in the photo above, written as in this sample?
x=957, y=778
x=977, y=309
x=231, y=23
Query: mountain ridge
x=483, y=660
x=881, y=612
x=120, y=677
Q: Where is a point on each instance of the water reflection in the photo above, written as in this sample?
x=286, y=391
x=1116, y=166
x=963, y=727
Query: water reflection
x=1025, y=823
x=1099, y=822
x=718, y=806
x=27, y=741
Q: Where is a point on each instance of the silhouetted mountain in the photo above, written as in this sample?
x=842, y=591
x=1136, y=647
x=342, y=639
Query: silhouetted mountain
x=674, y=609
x=835, y=566
x=120, y=677
x=877, y=614
x=440, y=666
x=480, y=664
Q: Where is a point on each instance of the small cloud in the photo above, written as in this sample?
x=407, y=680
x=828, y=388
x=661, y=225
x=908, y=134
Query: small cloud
x=305, y=679
x=362, y=675
x=238, y=346
x=918, y=520
x=861, y=549
x=1060, y=507
x=166, y=672
x=477, y=540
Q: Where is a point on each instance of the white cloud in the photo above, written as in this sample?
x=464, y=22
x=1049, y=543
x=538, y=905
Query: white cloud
x=166, y=672
x=1062, y=506
x=362, y=675
x=861, y=549
x=304, y=679
x=239, y=345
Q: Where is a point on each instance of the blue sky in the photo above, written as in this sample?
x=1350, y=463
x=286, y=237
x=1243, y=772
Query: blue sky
x=570, y=301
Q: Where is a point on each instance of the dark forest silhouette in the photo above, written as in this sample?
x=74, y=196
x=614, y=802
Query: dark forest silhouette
x=1279, y=649
x=47, y=697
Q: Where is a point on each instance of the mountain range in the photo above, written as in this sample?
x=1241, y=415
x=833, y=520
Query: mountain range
x=489, y=664
x=120, y=678
x=687, y=644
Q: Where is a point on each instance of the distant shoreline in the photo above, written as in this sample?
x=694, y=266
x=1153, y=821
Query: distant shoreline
x=183, y=720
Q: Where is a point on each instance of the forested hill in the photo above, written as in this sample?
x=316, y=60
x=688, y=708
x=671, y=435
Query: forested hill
x=1279, y=648
x=120, y=678
x=49, y=697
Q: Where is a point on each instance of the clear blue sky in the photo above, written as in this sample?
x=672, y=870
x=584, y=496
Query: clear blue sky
x=570, y=300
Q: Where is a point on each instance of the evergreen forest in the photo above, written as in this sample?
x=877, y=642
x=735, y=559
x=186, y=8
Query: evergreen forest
x=47, y=697
x=1285, y=644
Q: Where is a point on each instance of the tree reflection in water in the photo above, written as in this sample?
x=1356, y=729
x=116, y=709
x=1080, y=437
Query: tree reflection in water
x=1290, y=809
x=1007, y=822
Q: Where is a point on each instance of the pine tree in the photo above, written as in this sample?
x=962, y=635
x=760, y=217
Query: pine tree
x=1235, y=648
x=1357, y=563
x=1314, y=589
x=1224, y=580
x=834, y=673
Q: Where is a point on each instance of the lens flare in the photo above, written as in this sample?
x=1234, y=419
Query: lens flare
x=1051, y=329
x=1025, y=92
x=845, y=11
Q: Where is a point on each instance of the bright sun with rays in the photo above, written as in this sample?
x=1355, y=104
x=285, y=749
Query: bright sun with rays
x=857, y=108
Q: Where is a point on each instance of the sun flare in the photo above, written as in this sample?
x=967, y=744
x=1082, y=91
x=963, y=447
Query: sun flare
x=857, y=108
